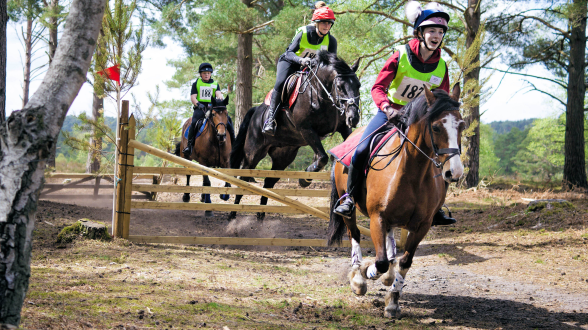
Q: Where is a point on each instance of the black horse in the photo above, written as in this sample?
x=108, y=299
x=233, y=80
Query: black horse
x=328, y=102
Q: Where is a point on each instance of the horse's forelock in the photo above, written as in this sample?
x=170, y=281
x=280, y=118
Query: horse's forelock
x=326, y=58
x=416, y=109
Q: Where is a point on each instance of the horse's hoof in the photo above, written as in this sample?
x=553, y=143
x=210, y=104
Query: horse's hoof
x=208, y=214
x=304, y=182
x=186, y=198
x=232, y=216
x=357, y=282
x=388, y=278
x=225, y=197
x=392, y=310
x=260, y=216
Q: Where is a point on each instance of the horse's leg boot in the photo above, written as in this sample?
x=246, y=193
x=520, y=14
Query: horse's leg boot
x=442, y=219
x=270, y=125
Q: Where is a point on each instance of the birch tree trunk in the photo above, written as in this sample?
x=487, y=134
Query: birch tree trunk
x=52, y=48
x=25, y=142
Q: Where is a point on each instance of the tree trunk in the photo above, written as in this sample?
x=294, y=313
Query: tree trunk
x=27, y=69
x=26, y=140
x=574, y=163
x=244, y=73
x=3, y=52
x=472, y=17
x=53, y=29
x=94, y=155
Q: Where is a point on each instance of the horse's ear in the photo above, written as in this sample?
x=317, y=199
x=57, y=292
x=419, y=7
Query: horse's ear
x=355, y=65
x=226, y=101
x=456, y=92
x=429, y=95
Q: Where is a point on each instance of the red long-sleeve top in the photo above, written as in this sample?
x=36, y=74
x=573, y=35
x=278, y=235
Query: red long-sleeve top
x=386, y=76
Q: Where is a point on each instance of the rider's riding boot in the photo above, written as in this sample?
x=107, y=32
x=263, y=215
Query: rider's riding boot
x=345, y=209
x=188, y=150
x=269, y=127
x=441, y=219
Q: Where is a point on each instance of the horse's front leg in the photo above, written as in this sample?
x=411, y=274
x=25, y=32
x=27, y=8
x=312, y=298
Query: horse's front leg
x=355, y=276
x=373, y=271
x=404, y=262
x=388, y=278
x=186, y=196
x=205, y=198
x=225, y=197
x=320, y=155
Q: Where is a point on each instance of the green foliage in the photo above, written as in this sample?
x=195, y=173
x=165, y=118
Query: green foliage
x=506, y=148
x=503, y=127
x=542, y=151
x=488, y=159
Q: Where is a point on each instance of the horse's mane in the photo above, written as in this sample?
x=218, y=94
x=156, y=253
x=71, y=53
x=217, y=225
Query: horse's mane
x=327, y=58
x=416, y=109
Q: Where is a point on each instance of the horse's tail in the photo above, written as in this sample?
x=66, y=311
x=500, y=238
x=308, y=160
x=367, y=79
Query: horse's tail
x=238, y=150
x=177, y=150
x=337, y=225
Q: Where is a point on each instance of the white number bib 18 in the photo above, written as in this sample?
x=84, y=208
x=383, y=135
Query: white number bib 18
x=410, y=88
x=206, y=93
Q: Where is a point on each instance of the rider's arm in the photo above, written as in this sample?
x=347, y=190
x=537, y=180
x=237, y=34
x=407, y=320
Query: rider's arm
x=383, y=81
x=290, y=54
x=193, y=99
x=194, y=94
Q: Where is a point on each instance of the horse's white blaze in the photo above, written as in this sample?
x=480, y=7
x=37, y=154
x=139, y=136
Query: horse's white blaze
x=390, y=246
x=454, y=165
x=355, y=253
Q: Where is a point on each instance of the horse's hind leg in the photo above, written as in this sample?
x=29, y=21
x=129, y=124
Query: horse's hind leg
x=393, y=295
x=186, y=196
x=205, y=198
x=281, y=158
x=320, y=155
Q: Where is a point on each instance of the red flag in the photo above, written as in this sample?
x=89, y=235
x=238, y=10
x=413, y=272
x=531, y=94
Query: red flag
x=112, y=73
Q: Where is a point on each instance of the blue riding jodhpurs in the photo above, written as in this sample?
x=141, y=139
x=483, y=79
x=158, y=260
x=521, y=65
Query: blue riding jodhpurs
x=360, y=157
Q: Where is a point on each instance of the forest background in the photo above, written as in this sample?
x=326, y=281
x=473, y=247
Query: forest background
x=197, y=31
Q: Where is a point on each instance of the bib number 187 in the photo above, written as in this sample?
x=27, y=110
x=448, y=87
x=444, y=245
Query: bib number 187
x=412, y=90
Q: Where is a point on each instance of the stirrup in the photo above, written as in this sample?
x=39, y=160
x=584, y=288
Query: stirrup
x=270, y=130
x=345, y=213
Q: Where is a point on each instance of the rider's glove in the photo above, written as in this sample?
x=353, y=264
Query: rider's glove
x=306, y=62
x=392, y=114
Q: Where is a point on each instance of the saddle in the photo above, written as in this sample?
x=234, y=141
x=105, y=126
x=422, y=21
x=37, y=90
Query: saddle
x=344, y=151
x=289, y=93
x=199, y=126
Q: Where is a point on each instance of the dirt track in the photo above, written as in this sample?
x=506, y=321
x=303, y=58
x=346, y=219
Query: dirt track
x=500, y=267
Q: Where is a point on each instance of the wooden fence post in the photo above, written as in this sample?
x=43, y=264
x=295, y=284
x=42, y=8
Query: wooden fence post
x=121, y=171
x=130, y=163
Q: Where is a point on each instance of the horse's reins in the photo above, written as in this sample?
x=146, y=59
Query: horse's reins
x=349, y=101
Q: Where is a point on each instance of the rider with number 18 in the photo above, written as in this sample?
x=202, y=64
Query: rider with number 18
x=203, y=90
x=403, y=77
x=301, y=53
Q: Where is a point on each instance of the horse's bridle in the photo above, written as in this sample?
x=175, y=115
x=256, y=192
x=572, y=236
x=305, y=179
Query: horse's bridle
x=337, y=100
x=215, y=127
x=444, y=151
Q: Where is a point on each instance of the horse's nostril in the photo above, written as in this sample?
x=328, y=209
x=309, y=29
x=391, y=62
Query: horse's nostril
x=448, y=174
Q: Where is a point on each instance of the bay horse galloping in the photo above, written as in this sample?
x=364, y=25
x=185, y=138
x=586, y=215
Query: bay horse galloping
x=212, y=147
x=404, y=188
x=328, y=102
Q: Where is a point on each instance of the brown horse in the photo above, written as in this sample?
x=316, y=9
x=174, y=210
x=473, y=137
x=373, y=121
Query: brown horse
x=212, y=148
x=403, y=191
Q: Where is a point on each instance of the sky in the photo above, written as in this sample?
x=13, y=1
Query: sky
x=506, y=100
